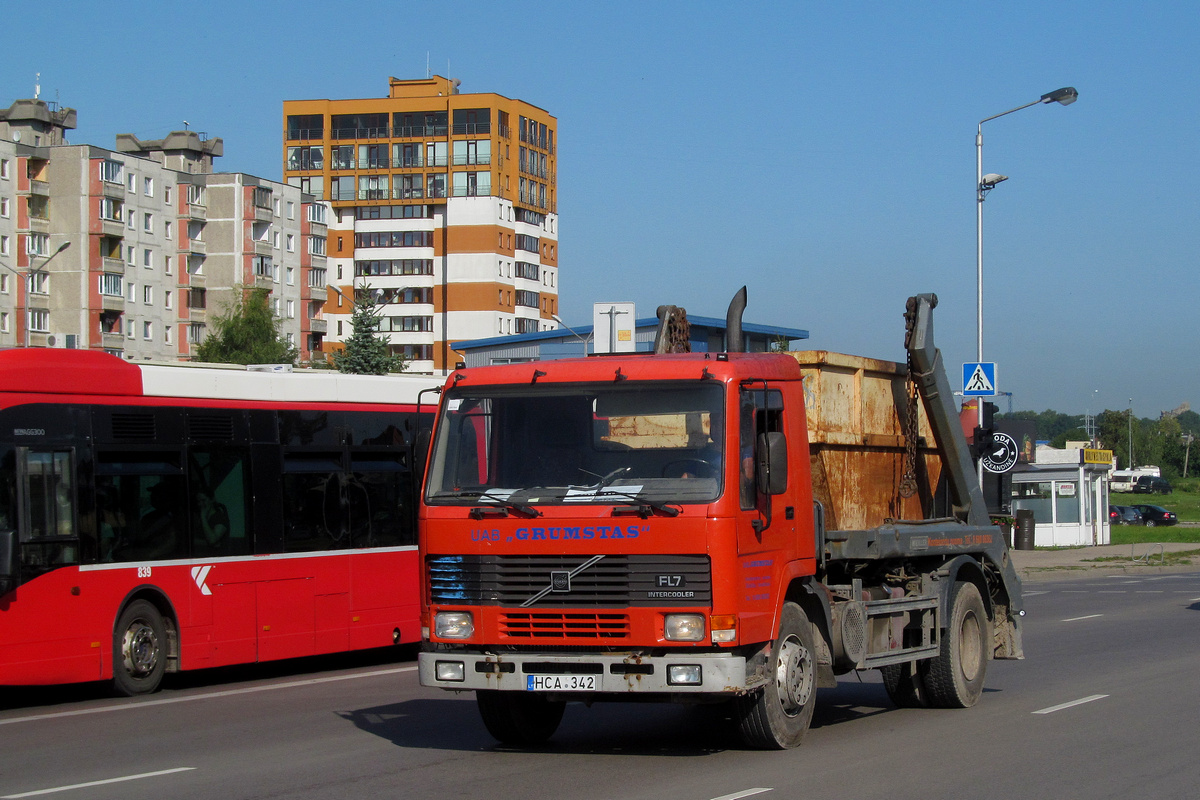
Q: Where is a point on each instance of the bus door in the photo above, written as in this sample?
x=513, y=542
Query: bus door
x=46, y=506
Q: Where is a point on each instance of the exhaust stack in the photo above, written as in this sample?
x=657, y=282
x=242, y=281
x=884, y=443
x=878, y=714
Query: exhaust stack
x=735, y=341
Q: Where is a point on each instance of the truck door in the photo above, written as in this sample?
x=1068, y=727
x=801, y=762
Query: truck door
x=767, y=522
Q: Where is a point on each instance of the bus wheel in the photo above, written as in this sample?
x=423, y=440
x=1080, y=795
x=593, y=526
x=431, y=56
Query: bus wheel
x=776, y=716
x=517, y=718
x=139, y=649
x=956, y=674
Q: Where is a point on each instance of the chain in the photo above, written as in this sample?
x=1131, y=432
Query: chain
x=908, y=481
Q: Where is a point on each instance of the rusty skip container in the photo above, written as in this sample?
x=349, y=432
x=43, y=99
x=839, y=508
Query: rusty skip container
x=856, y=409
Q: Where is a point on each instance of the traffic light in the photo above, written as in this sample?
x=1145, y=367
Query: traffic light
x=985, y=443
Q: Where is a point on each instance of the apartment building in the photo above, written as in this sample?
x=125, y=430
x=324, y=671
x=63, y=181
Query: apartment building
x=135, y=250
x=444, y=205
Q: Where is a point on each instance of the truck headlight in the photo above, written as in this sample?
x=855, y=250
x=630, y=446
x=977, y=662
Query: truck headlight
x=684, y=627
x=453, y=625
x=450, y=671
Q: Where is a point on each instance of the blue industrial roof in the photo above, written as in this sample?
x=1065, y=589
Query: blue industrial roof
x=714, y=323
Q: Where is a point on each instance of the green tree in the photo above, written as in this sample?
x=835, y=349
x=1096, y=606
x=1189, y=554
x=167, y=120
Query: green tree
x=367, y=352
x=248, y=333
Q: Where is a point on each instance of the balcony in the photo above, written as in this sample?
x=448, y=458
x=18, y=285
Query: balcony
x=263, y=248
x=197, y=212
x=112, y=227
x=360, y=133
x=111, y=302
x=113, y=190
x=263, y=214
x=264, y=282
x=40, y=188
x=112, y=264
x=196, y=246
x=112, y=341
x=318, y=326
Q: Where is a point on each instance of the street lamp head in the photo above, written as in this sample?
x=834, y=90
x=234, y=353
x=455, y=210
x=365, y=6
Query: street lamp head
x=991, y=179
x=62, y=247
x=1065, y=96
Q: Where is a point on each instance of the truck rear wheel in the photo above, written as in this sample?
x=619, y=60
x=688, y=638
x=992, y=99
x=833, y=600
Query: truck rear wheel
x=776, y=716
x=519, y=718
x=956, y=674
x=905, y=684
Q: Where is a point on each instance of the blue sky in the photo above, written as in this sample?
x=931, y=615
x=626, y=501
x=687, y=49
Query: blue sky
x=820, y=153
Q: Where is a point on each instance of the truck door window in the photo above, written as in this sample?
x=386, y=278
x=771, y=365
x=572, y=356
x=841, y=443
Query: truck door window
x=761, y=411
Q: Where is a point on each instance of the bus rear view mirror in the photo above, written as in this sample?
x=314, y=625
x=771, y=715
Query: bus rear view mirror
x=8, y=561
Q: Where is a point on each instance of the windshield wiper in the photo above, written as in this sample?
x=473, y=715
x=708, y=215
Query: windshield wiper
x=502, y=505
x=636, y=505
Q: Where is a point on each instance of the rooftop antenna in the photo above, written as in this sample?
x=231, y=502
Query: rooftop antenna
x=37, y=86
x=427, y=72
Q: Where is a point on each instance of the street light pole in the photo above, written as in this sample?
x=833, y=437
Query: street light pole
x=983, y=185
x=30, y=275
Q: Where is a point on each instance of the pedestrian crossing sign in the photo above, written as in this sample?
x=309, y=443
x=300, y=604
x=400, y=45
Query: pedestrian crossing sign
x=979, y=379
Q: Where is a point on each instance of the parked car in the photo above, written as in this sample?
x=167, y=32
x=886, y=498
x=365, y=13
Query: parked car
x=1148, y=484
x=1156, y=515
x=1124, y=515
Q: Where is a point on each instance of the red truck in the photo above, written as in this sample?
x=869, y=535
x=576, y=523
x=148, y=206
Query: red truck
x=735, y=528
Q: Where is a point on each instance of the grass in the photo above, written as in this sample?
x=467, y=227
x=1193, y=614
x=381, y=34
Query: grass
x=1138, y=534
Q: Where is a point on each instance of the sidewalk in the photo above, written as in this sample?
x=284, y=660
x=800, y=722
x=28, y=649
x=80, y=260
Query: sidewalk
x=1046, y=564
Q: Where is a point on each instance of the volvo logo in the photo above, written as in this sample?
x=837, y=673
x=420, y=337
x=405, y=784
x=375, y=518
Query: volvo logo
x=560, y=581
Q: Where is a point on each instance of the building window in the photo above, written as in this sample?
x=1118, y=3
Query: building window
x=4, y=207
x=39, y=321
x=316, y=278
x=132, y=182
x=167, y=334
x=110, y=322
x=167, y=299
x=527, y=270
x=148, y=186
x=37, y=283
x=435, y=185
x=147, y=330
x=291, y=309
x=167, y=230
x=110, y=171
x=299, y=158
x=195, y=332
x=316, y=245
x=291, y=243
x=111, y=210
x=147, y=258
x=527, y=298
x=263, y=267
x=37, y=244
x=4, y=246
x=167, y=265
x=129, y=251
x=291, y=210
x=195, y=195
x=196, y=231
x=291, y=276
x=3, y=322
x=316, y=213
x=3, y=283
x=527, y=243
x=167, y=194
x=394, y=239
x=148, y=222
x=148, y=294
x=262, y=197
x=196, y=298
x=399, y=266
x=110, y=284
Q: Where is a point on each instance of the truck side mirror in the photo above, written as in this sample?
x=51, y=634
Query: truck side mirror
x=770, y=469
x=8, y=561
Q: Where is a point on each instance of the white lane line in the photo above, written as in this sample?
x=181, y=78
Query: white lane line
x=1193, y=600
x=208, y=696
x=1031, y=594
x=1071, y=704
x=1149, y=591
x=1113, y=591
x=743, y=793
x=96, y=783
x=1089, y=616
x=1076, y=591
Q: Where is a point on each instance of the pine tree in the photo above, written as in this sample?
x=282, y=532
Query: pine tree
x=248, y=333
x=366, y=352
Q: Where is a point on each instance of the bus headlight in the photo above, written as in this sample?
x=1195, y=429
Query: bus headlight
x=684, y=627
x=453, y=625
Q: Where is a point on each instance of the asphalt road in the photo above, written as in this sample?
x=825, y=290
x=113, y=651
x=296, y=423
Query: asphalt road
x=1102, y=707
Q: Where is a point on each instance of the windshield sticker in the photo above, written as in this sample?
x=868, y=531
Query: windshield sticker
x=580, y=494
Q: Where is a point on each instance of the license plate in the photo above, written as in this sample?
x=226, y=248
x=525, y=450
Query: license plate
x=560, y=683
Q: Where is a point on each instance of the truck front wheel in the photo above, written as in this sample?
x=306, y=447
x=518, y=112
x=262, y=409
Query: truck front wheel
x=956, y=674
x=776, y=716
x=519, y=718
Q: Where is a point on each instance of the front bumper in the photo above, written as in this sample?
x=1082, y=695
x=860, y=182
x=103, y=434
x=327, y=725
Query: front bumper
x=719, y=673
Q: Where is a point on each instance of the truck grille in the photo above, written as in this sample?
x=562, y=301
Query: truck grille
x=564, y=625
x=565, y=581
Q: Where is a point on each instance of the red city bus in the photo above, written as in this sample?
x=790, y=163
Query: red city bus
x=158, y=518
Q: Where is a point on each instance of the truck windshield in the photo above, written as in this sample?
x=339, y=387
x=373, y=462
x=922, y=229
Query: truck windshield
x=613, y=444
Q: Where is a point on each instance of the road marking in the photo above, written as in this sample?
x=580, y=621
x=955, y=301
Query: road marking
x=1149, y=591
x=1089, y=616
x=1113, y=591
x=1031, y=594
x=96, y=783
x=1193, y=600
x=1071, y=704
x=209, y=696
x=1076, y=591
x=743, y=793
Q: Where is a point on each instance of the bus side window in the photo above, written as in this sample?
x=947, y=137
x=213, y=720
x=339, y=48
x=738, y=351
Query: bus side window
x=218, y=497
x=142, y=505
x=313, y=515
x=379, y=498
x=49, y=507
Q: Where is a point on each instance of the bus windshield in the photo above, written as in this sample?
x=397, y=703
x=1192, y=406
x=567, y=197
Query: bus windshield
x=579, y=443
